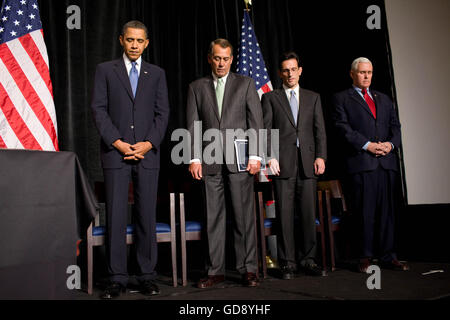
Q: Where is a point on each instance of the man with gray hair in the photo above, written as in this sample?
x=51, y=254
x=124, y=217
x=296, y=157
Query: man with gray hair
x=224, y=100
x=367, y=124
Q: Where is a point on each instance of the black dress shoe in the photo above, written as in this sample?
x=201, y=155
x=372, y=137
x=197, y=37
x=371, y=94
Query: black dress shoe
x=149, y=288
x=287, y=273
x=395, y=265
x=112, y=291
x=313, y=269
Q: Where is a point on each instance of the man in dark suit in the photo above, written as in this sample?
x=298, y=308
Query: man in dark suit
x=368, y=126
x=216, y=103
x=131, y=110
x=297, y=114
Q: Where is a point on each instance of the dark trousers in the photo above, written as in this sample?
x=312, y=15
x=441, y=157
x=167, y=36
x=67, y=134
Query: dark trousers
x=240, y=187
x=372, y=203
x=145, y=182
x=296, y=237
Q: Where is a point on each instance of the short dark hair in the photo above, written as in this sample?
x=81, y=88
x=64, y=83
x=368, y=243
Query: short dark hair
x=135, y=24
x=224, y=43
x=288, y=56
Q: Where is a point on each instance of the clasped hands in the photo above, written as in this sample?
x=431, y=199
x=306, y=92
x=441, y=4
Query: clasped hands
x=379, y=148
x=133, y=151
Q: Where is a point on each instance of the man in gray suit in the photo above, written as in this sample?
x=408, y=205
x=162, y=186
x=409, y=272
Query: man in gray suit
x=297, y=114
x=224, y=101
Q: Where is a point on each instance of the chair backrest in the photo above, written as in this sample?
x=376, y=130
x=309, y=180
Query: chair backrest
x=335, y=189
x=189, y=230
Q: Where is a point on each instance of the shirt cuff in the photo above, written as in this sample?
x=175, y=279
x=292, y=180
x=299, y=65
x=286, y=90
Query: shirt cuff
x=195, y=161
x=366, y=145
x=391, y=145
x=255, y=158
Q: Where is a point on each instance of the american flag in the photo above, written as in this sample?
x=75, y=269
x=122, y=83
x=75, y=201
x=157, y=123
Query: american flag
x=250, y=60
x=27, y=110
x=251, y=64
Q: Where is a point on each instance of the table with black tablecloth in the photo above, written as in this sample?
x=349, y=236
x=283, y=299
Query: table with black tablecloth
x=46, y=204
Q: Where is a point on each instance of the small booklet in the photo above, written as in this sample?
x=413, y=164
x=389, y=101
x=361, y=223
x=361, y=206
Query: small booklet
x=241, y=147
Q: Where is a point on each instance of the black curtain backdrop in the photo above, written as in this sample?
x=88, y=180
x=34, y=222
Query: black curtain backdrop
x=326, y=35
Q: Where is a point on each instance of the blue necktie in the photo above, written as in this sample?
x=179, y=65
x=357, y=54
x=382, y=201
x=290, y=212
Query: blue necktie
x=294, y=108
x=134, y=76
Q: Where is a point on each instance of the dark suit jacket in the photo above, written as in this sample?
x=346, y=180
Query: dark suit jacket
x=310, y=130
x=120, y=116
x=356, y=125
x=241, y=109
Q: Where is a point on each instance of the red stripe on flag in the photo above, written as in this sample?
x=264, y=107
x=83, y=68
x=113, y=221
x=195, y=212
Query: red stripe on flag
x=2, y=143
x=28, y=92
x=33, y=51
x=265, y=88
x=16, y=122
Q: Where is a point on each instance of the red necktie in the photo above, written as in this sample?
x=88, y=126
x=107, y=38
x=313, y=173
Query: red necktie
x=370, y=102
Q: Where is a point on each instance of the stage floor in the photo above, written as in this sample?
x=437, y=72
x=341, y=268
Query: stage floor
x=342, y=284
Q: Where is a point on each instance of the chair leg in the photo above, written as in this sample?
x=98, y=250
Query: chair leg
x=90, y=256
x=183, y=244
x=322, y=230
x=255, y=213
x=330, y=229
x=262, y=234
x=173, y=238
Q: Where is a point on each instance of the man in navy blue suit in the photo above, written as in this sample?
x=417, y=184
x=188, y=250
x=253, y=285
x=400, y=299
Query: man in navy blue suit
x=367, y=123
x=131, y=109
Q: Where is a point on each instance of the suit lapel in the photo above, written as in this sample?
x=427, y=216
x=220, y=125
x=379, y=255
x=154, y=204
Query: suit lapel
x=121, y=72
x=301, y=106
x=378, y=107
x=357, y=97
x=144, y=76
x=285, y=106
x=227, y=93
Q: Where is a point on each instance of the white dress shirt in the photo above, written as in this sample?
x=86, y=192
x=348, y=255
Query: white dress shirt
x=296, y=90
x=129, y=66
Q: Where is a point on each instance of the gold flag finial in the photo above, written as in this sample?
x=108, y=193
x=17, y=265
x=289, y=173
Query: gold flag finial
x=247, y=2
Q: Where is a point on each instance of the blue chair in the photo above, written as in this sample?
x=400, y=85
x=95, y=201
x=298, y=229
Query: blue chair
x=164, y=233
